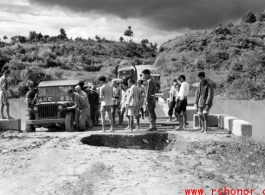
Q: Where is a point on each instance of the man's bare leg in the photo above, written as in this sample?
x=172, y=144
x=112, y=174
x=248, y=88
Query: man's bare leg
x=201, y=122
x=103, y=121
x=138, y=123
x=2, y=111
x=180, y=119
x=111, y=122
x=184, y=120
x=205, y=119
x=130, y=123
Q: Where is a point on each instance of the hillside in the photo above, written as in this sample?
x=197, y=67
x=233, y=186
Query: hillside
x=232, y=56
x=63, y=58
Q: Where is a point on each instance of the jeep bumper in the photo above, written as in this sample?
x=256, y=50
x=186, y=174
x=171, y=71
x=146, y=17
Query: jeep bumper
x=46, y=121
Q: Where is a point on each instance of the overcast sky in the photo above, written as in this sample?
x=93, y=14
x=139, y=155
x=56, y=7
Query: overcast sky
x=157, y=20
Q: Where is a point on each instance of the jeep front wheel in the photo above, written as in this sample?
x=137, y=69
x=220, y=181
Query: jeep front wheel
x=69, y=122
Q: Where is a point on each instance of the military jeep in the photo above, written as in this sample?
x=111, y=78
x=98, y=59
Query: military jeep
x=50, y=109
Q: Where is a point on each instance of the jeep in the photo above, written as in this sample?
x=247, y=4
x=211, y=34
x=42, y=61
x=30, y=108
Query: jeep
x=52, y=100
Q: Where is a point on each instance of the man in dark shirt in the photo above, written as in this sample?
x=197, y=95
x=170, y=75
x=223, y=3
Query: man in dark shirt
x=93, y=98
x=204, y=100
x=152, y=87
x=30, y=101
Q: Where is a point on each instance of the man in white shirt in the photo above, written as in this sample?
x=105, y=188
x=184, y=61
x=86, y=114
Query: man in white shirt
x=181, y=105
x=105, y=96
x=133, y=104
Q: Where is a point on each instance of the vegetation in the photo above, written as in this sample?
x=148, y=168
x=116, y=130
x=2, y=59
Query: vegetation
x=239, y=162
x=43, y=57
x=232, y=56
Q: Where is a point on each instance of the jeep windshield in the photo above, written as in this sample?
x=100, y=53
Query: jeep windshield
x=52, y=91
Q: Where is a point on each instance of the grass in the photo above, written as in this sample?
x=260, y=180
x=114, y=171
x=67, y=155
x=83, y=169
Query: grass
x=86, y=182
x=238, y=163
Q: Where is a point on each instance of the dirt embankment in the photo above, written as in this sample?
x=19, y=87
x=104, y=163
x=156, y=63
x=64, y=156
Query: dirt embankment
x=58, y=163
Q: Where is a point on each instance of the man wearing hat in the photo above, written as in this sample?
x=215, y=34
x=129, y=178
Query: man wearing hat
x=93, y=98
x=81, y=107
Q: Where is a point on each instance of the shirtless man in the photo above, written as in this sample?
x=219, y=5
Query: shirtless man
x=152, y=87
x=106, y=105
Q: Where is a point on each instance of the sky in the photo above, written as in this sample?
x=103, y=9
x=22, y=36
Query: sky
x=156, y=20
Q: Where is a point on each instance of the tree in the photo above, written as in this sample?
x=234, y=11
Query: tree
x=249, y=17
x=128, y=32
x=32, y=35
x=144, y=42
x=5, y=37
x=260, y=16
x=121, y=39
x=63, y=34
x=97, y=38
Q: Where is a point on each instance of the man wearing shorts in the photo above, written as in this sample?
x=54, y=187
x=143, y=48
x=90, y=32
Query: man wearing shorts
x=133, y=104
x=204, y=100
x=106, y=105
x=182, y=102
x=3, y=94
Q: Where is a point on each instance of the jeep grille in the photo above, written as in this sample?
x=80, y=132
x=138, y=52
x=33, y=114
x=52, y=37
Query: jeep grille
x=48, y=111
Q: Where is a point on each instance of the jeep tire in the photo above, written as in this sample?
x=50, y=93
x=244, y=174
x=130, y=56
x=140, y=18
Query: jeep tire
x=69, y=122
x=30, y=128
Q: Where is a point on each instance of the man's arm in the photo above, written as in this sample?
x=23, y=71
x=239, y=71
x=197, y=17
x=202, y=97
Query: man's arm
x=148, y=90
x=130, y=95
x=158, y=86
x=101, y=94
x=181, y=92
x=210, y=94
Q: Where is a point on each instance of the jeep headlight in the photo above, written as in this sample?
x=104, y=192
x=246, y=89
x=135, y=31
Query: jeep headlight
x=35, y=108
x=60, y=107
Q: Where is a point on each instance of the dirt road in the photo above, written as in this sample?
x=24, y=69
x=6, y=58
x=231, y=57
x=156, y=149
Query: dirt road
x=42, y=163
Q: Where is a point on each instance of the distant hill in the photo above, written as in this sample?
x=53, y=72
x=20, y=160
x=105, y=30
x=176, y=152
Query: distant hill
x=62, y=58
x=232, y=56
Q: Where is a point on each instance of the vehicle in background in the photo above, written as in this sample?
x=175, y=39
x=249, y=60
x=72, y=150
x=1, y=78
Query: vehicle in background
x=126, y=72
x=51, y=101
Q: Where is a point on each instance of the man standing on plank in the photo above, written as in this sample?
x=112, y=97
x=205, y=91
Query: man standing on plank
x=133, y=104
x=152, y=87
x=204, y=100
x=105, y=95
x=117, y=93
x=182, y=102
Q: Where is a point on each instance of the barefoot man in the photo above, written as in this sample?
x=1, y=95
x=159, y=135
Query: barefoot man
x=133, y=104
x=204, y=100
x=105, y=95
x=152, y=87
x=182, y=102
x=3, y=94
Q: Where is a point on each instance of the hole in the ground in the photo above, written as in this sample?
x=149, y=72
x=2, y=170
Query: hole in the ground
x=149, y=141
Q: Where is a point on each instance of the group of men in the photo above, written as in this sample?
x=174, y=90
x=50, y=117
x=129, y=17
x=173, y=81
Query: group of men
x=129, y=100
x=178, y=101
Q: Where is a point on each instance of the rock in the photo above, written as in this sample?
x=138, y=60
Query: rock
x=145, y=141
x=210, y=151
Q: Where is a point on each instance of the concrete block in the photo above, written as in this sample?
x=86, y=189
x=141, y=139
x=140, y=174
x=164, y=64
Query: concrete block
x=191, y=111
x=212, y=120
x=228, y=123
x=10, y=124
x=221, y=120
x=241, y=128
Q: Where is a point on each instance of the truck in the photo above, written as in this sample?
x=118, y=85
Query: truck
x=127, y=72
x=49, y=109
